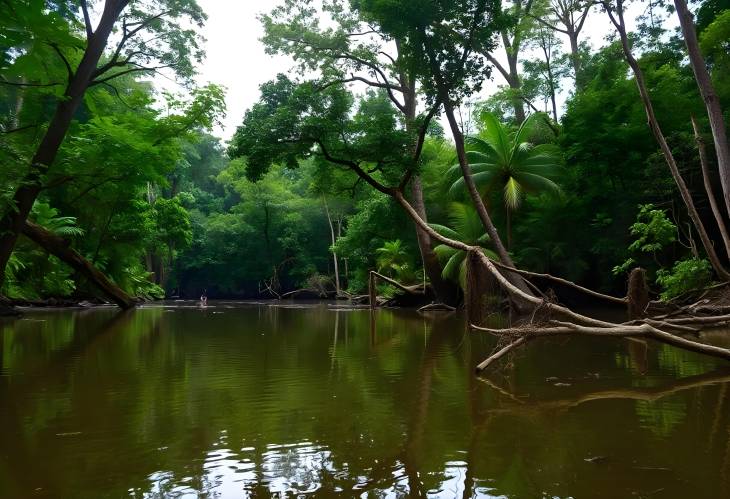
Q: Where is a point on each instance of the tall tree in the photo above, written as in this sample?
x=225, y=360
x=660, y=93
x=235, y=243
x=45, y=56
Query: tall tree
x=709, y=95
x=615, y=12
x=568, y=17
x=445, y=45
x=513, y=36
x=150, y=40
x=354, y=51
x=508, y=162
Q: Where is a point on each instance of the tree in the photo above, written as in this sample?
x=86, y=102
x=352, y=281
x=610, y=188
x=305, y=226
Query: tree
x=513, y=36
x=442, y=44
x=393, y=260
x=616, y=15
x=466, y=227
x=543, y=74
x=350, y=50
x=572, y=15
x=710, y=97
x=150, y=40
x=510, y=163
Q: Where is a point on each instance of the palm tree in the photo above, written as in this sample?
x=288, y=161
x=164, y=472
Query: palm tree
x=393, y=261
x=500, y=159
x=466, y=226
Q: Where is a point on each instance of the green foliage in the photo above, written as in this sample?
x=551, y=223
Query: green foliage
x=500, y=159
x=467, y=228
x=394, y=261
x=31, y=273
x=686, y=275
x=652, y=231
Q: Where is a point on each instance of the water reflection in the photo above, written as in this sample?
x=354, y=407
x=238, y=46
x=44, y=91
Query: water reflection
x=260, y=401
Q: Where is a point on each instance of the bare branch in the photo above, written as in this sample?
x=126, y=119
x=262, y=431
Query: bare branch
x=87, y=20
x=69, y=71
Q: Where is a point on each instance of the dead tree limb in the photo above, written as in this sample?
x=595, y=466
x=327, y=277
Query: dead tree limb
x=564, y=282
x=617, y=331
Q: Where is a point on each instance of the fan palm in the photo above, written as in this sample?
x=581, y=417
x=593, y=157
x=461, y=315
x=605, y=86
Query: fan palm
x=500, y=159
x=466, y=226
x=393, y=261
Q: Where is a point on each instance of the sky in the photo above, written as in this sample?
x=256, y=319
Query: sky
x=236, y=58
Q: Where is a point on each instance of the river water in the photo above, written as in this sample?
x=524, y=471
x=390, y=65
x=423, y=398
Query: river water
x=259, y=400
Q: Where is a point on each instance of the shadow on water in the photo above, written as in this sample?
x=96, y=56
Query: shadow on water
x=256, y=400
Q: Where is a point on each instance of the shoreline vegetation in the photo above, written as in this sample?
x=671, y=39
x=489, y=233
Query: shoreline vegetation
x=376, y=170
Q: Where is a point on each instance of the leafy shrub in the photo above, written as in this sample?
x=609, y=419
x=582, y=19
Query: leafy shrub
x=653, y=232
x=686, y=275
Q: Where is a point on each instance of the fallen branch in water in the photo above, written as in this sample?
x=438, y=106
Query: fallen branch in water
x=560, y=328
x=437, y=306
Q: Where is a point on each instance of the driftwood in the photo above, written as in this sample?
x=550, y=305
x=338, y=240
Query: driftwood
x=525, y=301
x=436, y=307
x=60, y=248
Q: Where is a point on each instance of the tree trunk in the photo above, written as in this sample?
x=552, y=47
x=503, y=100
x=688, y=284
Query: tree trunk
x=707, y=90
x=666, y=150
x=334, y=253
x=445, y=291
x=12, y=222
x=486, y=220
x=477, y=287
x=637, y=294
x=61, y=249
x=708, y=186
x=516, y=85
x=575, y=59
x=508, y=216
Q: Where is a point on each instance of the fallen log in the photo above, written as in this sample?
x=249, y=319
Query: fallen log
x=61, y=249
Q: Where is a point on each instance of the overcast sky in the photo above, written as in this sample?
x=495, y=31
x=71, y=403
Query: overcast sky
x=236, y=57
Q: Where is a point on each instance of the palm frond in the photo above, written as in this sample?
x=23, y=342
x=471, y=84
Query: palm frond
x=512, y=194
x=445, y=231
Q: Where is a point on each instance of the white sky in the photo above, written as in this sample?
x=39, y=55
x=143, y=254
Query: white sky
x=236, y=58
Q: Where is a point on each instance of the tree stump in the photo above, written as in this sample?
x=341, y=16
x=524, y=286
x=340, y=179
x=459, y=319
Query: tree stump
x=372, y=293
x=637, y=294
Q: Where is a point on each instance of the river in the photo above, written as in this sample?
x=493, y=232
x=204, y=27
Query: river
x=264, y=400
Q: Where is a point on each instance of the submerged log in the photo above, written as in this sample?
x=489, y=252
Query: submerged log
x=60, y=248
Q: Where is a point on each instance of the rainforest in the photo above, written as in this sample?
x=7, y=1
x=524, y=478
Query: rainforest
x=435, y=239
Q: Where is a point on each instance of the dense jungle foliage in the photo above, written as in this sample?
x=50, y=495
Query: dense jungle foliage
x=560, y=149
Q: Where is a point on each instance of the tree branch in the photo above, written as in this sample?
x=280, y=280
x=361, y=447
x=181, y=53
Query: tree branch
x=87, y=20
x=69, y=71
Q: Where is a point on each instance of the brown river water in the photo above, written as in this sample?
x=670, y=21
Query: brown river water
x=256, y=400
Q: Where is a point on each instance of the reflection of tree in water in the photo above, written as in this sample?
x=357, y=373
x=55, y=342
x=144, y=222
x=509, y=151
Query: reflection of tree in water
x=388, y=410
